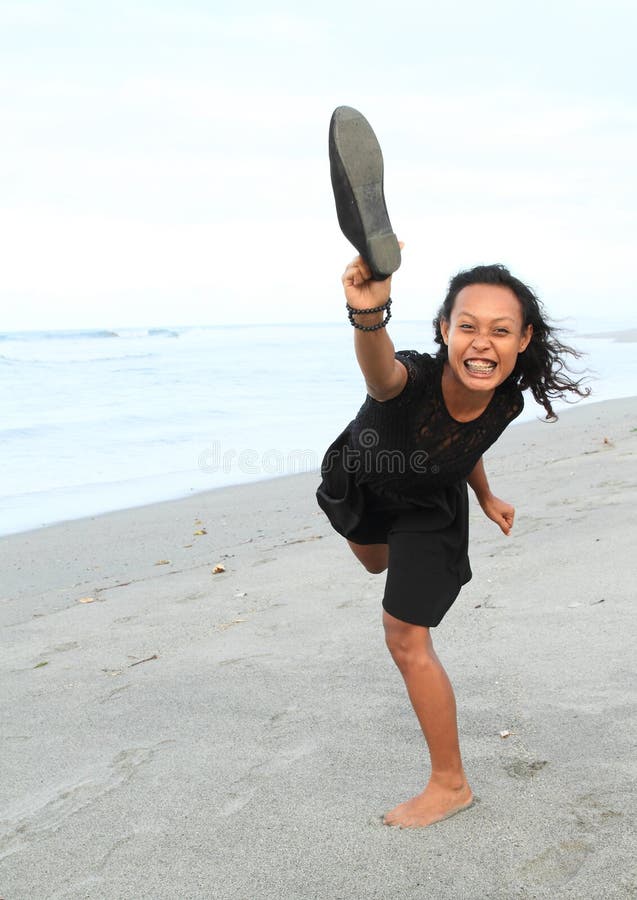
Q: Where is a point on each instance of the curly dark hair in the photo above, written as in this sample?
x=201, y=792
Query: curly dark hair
x=541, y=367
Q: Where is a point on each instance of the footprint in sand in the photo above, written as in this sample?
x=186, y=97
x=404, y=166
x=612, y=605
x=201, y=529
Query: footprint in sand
x=556, y=864
x=590, y=814
x=524, y=768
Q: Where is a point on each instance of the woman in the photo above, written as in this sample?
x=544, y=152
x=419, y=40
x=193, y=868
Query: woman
x=395, y=480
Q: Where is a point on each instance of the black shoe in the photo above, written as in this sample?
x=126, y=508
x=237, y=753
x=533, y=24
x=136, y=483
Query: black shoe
x=356, y=168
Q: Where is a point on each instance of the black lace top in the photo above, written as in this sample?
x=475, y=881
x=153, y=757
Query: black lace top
x=409, y=447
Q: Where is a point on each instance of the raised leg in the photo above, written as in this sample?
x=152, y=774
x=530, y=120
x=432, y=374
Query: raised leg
x=434, y=703
x=374, y=557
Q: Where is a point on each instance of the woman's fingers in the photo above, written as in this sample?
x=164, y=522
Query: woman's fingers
x=507, y=520
x=504, y=524
x=361, y=290
x=357, y=272
x=501, y=513
x=362, y=266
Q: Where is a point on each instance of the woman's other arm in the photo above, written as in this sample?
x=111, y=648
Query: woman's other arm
x=497, y=510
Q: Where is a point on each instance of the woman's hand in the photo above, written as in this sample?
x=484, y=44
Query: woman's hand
x=499, y=512
x=361, y=291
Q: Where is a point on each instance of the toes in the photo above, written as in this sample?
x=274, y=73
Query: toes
x=398, y=818
x=392, y=817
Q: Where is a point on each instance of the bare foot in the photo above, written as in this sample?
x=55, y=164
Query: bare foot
x=436, y=802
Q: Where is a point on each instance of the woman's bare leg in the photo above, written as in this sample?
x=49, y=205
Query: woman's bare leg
x=373, y=556
x=434, y=703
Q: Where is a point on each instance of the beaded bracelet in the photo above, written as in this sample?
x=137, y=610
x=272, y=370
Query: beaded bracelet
x=351, y=312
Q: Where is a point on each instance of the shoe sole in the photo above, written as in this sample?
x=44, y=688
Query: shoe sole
x=362, y=161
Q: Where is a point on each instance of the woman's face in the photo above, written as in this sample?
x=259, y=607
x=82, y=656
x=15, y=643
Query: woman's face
x=484, y=335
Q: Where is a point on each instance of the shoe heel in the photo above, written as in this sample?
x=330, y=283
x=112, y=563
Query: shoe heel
x=383, y=255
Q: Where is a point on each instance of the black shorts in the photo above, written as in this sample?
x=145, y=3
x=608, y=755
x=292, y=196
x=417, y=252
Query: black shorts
x=428, y=544
x=425, y=572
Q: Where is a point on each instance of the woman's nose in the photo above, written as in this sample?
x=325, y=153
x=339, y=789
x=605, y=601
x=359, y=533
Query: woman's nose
x=481, y=341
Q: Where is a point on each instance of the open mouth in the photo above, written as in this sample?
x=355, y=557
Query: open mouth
x=480, y=366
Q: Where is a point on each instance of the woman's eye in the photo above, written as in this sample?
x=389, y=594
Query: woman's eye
x=501, y=331
x=466, y=326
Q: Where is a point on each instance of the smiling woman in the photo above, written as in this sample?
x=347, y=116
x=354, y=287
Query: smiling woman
x=491, y=326
x=484, y=335
x=394, y=482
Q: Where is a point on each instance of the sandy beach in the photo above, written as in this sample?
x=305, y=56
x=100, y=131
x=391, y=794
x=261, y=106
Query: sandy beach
x=169, y=731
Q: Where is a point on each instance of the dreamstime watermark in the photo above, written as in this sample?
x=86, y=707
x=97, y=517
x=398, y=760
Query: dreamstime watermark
x=367, y=458
x=249, y=461
x=370, y=460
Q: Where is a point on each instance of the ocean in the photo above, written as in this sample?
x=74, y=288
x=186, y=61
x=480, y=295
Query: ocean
x=98, y=420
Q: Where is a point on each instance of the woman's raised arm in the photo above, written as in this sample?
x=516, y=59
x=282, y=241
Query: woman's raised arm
x=385, y=376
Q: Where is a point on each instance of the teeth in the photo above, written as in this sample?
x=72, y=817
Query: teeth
x=480, y=367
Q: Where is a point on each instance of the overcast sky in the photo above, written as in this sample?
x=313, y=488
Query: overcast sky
x=165, y=162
